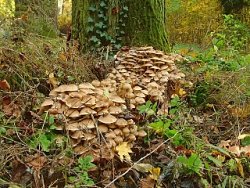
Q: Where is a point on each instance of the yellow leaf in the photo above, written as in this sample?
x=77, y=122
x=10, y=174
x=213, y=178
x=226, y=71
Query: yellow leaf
x=240, y=167
x=52, y=80
x=182, y=92
x=242, y=136
x=155, y=173
x=123, y=151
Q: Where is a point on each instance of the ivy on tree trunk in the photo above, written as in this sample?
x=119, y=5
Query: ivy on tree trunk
x=144, y=24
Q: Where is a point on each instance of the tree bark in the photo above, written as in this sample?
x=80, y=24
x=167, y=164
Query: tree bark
x=144, y=25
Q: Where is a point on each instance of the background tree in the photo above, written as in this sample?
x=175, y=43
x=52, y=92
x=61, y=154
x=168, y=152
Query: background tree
x=99, y=23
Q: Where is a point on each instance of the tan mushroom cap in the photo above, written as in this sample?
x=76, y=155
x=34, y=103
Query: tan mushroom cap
x=87, y=111
x=87, y=124
x=73, y=102
x=86, y=86
x=121, y=122
x=110, y=135
x=73, y=113
x=73, y=126
x=66, y=88
x=103, y=128
x=140, y=100
x=89, y=136
x=47, y=103
x=117, y=99
x=115, y=110
x=104, y=111
x=108, y=119
x=77, y=134
x=96, y=83
x=79, y=149
x=141, y=133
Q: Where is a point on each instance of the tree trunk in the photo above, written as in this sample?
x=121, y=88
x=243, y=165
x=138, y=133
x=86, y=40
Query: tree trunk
x=128, y=22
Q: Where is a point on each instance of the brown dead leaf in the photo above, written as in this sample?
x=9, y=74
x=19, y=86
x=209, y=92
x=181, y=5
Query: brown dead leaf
x=235, y=150
x=147, y=182
x=12, y=110
x=4, y=85
x=37, y=162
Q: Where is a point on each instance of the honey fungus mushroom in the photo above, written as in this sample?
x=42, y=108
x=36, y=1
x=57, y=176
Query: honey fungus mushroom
x=91, y=109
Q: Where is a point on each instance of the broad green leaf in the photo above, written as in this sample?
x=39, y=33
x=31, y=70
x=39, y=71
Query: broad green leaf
x=215, y=161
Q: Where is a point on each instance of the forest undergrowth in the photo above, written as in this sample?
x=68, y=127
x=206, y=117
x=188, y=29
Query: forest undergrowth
x=204, y=141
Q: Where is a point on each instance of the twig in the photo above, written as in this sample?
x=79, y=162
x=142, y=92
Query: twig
x=130, y=168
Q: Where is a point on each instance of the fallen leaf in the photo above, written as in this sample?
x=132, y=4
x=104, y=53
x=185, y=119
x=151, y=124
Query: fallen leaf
x=147, y=182
x=235, y=150
x=155, y=173
x=246, y=150
x=37, y=162
x=53, y=81
x=143, y=167
x=123, y=150
x=240, y=167
x=4, y=85
x=181, y=92
x=242, y=136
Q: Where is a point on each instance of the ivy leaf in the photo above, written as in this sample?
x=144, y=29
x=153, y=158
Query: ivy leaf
x=103, y=4
x=90, y=20
x=123, y=150
x=90, y=29
x=92, y=9
x=99, y=25
x=125, y=8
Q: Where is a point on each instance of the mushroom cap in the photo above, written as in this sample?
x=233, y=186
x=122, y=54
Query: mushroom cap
x=104, y=111
x=86, y=86
x=125, y=130
x=73, y=113
x=87, y=124
x=140, y=100
x=47, y=103
x=89, y=136
x=103, y=128
x=96, y=83
x=115, y=110
x=108, y=119
x=87, y=111
x=121, y=122
x=79, y=149
x=66, y=88
x=77, y=134
x=117, y=99
x=72, y=126
x=73, y=102
x=141, y=133
x=110, y=135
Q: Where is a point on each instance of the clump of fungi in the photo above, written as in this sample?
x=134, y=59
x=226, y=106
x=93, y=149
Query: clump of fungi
x=95, y=114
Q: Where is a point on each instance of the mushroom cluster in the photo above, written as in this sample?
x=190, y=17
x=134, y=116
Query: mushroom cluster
x=144, y=74
x=97, y=115
x=94, y=116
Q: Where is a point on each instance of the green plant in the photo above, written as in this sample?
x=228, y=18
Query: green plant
x=148, y=108
x=98, y=26
x=81, y=177
x=192, y=164
x=44, y=138
x=232, y=37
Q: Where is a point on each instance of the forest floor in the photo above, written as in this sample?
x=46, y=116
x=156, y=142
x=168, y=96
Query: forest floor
x=209, y=146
